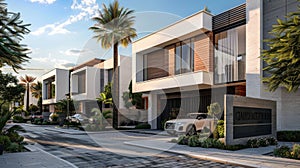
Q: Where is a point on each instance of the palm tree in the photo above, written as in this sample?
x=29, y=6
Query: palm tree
x=27, y=80
x=36, y=91
x=114, y=26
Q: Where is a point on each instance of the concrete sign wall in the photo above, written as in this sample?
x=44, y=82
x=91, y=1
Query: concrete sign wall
x=247, y=118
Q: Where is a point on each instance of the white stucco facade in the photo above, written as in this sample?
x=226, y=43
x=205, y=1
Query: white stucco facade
x=60, y=78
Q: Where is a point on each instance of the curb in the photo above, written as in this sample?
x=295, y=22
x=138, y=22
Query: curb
x=203, y=157
x=143, y=132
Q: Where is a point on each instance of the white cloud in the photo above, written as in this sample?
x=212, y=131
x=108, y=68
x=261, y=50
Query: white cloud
x=86, y=8
x=43, y=1
x=52, y=62
x=72, y=52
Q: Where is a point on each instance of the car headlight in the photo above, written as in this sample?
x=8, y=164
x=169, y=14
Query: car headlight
x=181, y=123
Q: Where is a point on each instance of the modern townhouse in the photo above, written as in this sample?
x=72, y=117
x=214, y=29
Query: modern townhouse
x=55, y=86
x=186, y=66
x=90, y=78
x=86, y=85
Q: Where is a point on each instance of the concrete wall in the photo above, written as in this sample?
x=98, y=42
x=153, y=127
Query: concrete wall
x=261, y=15
x=61, y=85
x=231, y=101
x=92, y=85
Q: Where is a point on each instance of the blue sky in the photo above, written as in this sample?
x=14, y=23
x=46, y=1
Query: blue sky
x=60, y=37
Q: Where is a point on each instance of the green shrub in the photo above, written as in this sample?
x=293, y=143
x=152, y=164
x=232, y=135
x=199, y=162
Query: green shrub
x=54, y=117
x=253, y=143
x=143, y=126
x=38, y=121
x=15, y=137
x=296, y=151
x=206, y=143
x=5, y=141
x=193, y=141
x=94, y=127
x=15, y=147
x=220, y=128
x=216, y=133
x=288, y=136
x=283, y=151
x=18, y=119
x=183, y=140
x=234, y=147
x=263, y=142
x=174, y=140
x=46, y=122
x=272, y=141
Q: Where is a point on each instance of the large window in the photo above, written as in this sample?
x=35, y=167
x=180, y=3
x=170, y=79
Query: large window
x=110, y=75
x=81, y=82
x=229, y=57
x=184, y=56
x=50, y=87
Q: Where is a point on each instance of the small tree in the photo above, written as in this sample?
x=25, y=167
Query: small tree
x=36, y=90
x=132, y=99
x=214, y=110
x=283, y=55
x=105, y=97
x=10, y=90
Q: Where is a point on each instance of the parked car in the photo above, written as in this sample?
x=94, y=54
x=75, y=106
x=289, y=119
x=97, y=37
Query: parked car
x=189, y=125
x=77, y=118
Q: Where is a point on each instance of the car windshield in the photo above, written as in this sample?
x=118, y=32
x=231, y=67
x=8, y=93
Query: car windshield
x=197, y=115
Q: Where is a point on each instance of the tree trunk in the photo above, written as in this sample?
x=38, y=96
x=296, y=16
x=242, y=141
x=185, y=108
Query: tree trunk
x=41, y=104
x=115, y=90
x=27, y=97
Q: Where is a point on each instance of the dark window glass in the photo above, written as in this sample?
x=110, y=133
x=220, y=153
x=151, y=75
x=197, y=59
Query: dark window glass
x=178, y=59
x=110, y=75
x=81, y=82
x=184, y=53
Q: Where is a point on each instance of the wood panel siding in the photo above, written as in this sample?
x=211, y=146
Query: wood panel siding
x=203, y=49
x=240, y=90
x=157, y=64
x=171, y=52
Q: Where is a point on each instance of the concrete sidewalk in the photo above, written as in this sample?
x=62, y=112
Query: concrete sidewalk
x=247, y=157
x=36, y=158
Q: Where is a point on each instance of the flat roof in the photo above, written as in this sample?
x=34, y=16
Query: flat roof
x=88, y=63
x=181, y=20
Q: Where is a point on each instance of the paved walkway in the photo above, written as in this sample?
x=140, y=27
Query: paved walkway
x=36, y=158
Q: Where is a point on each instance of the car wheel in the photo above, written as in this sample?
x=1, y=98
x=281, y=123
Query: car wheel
x=191, y=130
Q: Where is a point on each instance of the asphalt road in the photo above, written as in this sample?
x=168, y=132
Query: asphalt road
x=108, y=150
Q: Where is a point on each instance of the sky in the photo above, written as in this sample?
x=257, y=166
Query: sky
x=60, y=38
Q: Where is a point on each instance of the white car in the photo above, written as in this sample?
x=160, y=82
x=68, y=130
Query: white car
x=78, y=118
x=190, y=125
